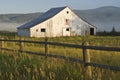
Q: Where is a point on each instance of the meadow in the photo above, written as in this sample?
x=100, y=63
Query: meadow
x=22, y=66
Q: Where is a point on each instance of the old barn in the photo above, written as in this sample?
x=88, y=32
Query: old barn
x=60, y=21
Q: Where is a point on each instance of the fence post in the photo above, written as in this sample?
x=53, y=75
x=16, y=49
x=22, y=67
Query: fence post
x=46, y=46
x=1, y=45
x=86, y=60
x=21, y=45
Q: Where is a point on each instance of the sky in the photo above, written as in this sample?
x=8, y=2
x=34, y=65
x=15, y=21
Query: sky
x=31, y=6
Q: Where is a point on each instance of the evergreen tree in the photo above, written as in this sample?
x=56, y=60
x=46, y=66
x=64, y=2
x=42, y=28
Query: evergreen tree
x=113, y=30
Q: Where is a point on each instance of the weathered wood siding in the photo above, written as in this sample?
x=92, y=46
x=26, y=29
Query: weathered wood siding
x=65, y=23
x=36, y=30
x=59, y=23
x=55, y=26
x=24, y=32
x=77, y=25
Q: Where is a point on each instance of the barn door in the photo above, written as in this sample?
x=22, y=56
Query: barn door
x=91, y=31
x=66, y=31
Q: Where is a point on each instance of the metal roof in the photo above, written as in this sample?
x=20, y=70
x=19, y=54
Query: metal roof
x=49, y=14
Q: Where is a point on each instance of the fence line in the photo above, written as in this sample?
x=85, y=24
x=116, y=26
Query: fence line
x=85, y=47
x=104, y=48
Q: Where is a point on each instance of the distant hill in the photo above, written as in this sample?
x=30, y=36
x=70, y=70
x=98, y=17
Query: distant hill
x=104, y=18
x=10, y=22
x=102, y=14
x=18, y=18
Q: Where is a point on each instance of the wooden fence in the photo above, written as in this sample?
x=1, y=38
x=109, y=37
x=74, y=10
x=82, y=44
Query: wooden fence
x=85, y=47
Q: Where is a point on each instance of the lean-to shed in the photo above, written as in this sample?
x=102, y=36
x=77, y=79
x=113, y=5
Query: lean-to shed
x=60, y=21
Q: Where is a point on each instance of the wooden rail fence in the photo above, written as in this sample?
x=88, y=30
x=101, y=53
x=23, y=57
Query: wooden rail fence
x=85, y=47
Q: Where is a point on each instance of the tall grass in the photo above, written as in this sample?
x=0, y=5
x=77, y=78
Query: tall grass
x=31, y=67
x=17, y=66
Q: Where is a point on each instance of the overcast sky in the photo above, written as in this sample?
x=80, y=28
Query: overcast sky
x=31, y=6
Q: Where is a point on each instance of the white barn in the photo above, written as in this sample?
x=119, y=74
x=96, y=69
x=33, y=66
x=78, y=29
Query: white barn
x=60, y=21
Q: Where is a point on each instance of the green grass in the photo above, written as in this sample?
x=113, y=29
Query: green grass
x=16, y=66
x=31, y=67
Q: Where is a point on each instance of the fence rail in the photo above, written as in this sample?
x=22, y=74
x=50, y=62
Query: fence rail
x=117, y=49
x=86, y=55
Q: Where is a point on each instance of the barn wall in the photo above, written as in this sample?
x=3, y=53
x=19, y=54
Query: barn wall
x=77, y=25
x=24, y=32
x=36, y=30
x=59, y=23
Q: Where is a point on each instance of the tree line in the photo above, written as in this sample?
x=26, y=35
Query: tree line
x=113, y=32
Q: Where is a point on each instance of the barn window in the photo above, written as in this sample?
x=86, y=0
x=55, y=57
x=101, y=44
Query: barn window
x=67, y=29
x=42, y=29
x=67, y=22
x=36, y=30
x=67, y=12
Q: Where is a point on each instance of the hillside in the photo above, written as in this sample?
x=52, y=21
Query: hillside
x=104, y=18
x=10, y=22
x=102, y=14
x=18, y=18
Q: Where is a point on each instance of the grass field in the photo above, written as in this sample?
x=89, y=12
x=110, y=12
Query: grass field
x=17, y=66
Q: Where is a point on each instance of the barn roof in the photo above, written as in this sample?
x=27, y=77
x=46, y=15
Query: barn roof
x=49, y=14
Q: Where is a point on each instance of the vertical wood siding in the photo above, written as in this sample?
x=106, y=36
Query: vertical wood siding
x=59, y=25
